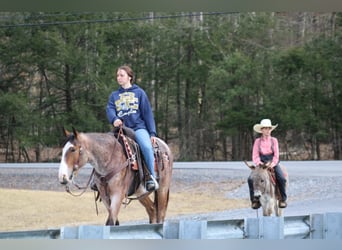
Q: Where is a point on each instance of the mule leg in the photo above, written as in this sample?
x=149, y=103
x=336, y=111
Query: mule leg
x=279, y=211
x=150, y=208
x=265, y=210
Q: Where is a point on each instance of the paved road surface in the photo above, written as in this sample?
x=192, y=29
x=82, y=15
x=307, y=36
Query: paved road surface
x=315, y=186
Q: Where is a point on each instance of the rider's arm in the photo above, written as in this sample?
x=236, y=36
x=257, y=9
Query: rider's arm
x=255, y=154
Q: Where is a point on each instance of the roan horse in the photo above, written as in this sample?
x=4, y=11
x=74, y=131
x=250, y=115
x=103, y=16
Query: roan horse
x=113, y=174
x=265, y=188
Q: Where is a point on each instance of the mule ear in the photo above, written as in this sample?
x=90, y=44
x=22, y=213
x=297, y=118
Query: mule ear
x=66, y=132
x=75, y=132
x=267, y=164
x=249, y=165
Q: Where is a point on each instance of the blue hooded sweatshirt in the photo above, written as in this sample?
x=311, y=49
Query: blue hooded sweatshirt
x=132, y=107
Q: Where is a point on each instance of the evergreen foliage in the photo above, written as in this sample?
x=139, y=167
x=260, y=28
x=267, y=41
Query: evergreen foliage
x=209, y=77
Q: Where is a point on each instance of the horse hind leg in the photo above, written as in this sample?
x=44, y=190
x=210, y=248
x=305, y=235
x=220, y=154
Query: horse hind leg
x=150, y=209
x=161, y=201
x=161, y=198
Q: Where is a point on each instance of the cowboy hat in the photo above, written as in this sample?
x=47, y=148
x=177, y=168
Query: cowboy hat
x=265, y=123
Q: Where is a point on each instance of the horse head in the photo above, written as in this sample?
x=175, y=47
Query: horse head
x=73, y=157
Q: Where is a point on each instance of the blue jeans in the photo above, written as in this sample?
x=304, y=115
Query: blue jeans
x=144, y=140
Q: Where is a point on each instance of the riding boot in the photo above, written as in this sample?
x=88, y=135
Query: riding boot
x=152, y=184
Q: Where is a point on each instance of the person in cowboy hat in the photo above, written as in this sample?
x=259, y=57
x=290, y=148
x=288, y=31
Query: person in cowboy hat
x=266, y=149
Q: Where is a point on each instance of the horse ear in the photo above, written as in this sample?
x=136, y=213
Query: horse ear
x=75, y=132
x=249, y=165
x=66, y=132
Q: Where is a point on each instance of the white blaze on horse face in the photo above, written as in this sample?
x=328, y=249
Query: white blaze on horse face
x=64, y=170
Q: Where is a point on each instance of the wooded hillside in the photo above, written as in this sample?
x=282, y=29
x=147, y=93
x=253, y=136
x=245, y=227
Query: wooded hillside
x=210, y=77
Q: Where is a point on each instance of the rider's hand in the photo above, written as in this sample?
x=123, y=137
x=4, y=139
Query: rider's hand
x=117, y=123
x=153, y=140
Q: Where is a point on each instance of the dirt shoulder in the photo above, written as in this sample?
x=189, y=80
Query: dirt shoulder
x=33, y=199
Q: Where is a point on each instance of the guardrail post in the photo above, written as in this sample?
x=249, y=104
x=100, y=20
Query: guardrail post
x=265, y=228
x=171, y=230
x=192, y=229
x=333, y=225
x=317, y=226
x=69, y=232
x=252, y=228
x=93, y=232
x=85, y=232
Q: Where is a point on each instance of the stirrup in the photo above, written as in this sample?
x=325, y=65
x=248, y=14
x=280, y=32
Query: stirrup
x=152, y=184
x=139, y=193
x=93, y=187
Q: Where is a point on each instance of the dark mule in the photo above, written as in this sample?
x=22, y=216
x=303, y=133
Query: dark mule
x=113, y=173
x=265, y=189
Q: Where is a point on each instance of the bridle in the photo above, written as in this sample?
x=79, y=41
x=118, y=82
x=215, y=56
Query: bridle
x=75, y=169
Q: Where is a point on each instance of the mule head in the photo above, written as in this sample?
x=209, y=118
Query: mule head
x=260, y=179
x=73, y=157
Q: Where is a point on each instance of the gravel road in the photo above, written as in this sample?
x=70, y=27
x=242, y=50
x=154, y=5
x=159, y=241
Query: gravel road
x=315, y=187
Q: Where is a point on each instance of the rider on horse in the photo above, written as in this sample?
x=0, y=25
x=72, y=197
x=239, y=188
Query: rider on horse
x=265, y=150
x=129, y=106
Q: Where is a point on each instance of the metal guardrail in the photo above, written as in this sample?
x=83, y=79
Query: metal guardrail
x=315, y=226
x=34, y=234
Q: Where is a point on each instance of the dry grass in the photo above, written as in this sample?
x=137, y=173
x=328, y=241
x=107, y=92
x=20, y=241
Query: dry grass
x=29, y=210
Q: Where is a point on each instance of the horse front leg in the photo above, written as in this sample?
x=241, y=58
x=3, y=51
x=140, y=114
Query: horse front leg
x=110, y=221
x=113, y=211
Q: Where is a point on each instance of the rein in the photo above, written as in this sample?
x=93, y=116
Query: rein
x=67, y=188
x=104, y=179
x=130, y=155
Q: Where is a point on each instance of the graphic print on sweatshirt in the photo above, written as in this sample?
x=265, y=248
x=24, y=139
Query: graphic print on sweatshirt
x=127, y=104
